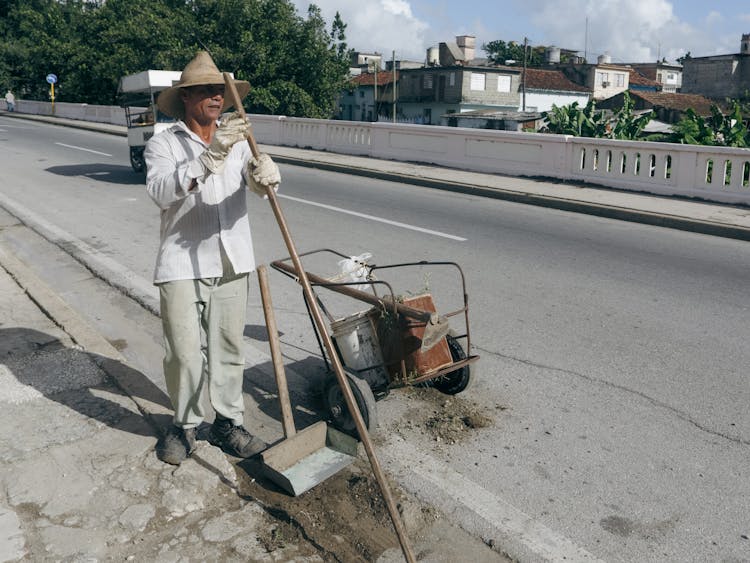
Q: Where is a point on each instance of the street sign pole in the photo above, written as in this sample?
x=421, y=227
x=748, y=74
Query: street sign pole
x=51, y=80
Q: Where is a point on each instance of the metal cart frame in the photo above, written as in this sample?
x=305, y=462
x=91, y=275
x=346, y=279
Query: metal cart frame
x=382, y=298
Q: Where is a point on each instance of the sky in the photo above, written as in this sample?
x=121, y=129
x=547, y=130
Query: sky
x=627, y=31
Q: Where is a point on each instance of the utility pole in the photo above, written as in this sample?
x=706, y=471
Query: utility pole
x=393, y=64
x=523, y=75
x=376, y=91
x=586, y=43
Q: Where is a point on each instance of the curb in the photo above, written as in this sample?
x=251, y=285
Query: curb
x=106, y=356
x=67, y=122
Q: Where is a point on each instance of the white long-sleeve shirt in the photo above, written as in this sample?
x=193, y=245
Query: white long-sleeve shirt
x=197, y=224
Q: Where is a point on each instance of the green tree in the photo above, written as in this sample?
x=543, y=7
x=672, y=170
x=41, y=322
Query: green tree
x=499, y=51
x=130, y=36
x=338, y=36
x=34, y=42
x=294, y=65
x=625, y=124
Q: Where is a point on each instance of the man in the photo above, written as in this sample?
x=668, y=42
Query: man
x=10, y=101
x=198, y=173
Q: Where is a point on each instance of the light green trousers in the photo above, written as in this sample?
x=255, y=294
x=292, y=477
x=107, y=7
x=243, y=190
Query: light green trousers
x=203, y=322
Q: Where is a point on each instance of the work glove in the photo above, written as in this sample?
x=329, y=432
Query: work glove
x=262, y=172
x=232, y=129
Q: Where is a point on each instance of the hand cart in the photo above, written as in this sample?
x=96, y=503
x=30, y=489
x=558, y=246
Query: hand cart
x=137, y=94
x=391, y=344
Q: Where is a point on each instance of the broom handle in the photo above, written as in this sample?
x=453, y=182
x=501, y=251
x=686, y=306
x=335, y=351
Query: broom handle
x=351, y=403
x=287, y=419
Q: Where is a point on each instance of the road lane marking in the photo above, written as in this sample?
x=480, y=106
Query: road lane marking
x=374, y=218
x=82, y=149
x=9, y=126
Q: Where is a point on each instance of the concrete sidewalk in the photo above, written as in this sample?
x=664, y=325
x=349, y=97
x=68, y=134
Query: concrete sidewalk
x=672, y=212
x=79, y=480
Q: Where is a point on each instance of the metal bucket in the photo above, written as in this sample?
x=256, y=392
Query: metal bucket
x=357, y=342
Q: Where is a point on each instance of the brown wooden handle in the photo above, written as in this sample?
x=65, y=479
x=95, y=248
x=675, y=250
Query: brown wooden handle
x=317, y=317
x=230, y=91
x=287, y=419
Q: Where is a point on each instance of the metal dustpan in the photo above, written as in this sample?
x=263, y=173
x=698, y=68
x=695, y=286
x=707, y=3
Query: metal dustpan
x=302, y=459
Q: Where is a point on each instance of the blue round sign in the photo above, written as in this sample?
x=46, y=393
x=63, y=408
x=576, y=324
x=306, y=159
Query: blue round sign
x=51, y=78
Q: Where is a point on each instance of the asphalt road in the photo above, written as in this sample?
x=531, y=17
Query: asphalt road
x=614, y=355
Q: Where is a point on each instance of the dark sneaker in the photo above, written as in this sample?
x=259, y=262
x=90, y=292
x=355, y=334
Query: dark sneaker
x=176, y=445
x=235, y=440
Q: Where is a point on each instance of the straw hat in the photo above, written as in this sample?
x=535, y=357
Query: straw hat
x=201, y=70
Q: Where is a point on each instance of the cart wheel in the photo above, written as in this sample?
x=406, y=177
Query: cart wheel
x=136, y=159
x=335, y=404
x=456, y=381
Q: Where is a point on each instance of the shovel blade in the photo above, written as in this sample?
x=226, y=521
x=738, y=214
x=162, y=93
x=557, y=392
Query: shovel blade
x=298, y=463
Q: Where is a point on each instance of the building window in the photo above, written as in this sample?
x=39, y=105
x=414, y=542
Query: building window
x=619, y=80
x=428, y=81
x=503, y=83
x=477, y=81
x=452, y=79
x=602, y=78
x=361, y=93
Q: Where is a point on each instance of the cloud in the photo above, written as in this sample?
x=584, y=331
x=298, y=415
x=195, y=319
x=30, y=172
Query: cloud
x=636, y=31
x=381, y=26
x=714, y=18
x=599, y=27
x=644, y=31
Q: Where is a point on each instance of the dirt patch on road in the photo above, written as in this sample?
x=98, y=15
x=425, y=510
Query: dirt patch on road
x=345, y=518
x=446, y=419
x=342, y=519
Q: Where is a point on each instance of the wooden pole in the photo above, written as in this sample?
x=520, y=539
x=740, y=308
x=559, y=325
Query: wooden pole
x=287, y=418
x=338, y=368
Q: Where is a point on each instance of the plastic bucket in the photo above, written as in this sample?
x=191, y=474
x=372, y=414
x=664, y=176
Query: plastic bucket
x=357, y=342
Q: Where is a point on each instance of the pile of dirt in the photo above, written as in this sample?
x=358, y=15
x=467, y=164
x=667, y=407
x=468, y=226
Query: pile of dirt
x=345, y=518
x=447, y=419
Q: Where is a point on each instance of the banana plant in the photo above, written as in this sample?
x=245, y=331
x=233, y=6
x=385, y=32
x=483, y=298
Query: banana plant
x=625, y=124
x=576, y=121
x=733, y=130
x=717, y=130
x=692, y=129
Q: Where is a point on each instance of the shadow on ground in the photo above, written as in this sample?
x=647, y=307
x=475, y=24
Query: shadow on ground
x=110, y=173
x=95, y=386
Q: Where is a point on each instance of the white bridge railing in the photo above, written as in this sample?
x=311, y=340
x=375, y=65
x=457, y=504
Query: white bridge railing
x=84, y=112
x=711, y=173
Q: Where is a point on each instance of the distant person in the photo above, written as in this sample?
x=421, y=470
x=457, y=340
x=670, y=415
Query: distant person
x=10, y=101
x=198, y=173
